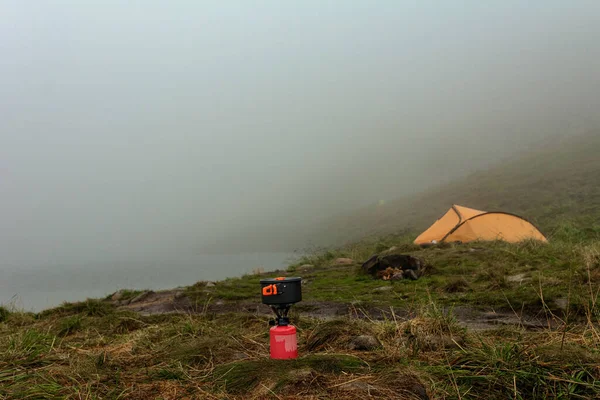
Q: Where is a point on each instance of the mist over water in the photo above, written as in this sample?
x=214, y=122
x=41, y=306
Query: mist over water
x=148, y=134
x=35, y=289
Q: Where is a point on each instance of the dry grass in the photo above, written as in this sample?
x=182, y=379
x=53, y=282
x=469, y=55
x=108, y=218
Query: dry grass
x=194, y=356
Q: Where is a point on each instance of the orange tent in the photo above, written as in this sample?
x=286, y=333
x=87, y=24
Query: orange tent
x=462, y=224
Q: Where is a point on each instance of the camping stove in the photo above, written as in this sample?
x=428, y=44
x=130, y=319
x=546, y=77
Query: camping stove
x=280, y=294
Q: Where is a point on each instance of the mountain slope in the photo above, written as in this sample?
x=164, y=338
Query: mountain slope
x=558, y=182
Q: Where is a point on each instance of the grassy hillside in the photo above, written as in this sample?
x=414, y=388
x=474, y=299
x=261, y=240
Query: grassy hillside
x=556, y=186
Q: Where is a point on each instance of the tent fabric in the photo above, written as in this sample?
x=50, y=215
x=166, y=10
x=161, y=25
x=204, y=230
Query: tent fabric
x=462, y=224
x=440, y=228
x=454, y=217
x=466, y=213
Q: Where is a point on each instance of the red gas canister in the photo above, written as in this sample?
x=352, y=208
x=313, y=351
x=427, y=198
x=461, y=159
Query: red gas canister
x=283, y=342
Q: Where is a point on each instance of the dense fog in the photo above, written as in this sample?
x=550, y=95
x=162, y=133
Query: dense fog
x=139, y=130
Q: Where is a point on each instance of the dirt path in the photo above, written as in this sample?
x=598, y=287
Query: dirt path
x=175, y=301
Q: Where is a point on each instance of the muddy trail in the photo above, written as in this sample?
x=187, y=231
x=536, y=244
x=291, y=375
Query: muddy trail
x=176, y=301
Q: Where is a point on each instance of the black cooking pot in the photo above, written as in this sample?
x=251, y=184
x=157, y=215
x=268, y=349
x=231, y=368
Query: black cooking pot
x=281, y=291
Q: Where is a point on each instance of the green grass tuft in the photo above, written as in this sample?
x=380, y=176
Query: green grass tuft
x=27, y=349
x=70, y=325
x=4, y=313
x=89, y=307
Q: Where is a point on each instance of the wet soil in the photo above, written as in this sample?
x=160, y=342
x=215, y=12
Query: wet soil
x=175, y=301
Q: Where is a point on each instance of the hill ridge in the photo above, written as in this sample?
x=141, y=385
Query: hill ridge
x=547, y=185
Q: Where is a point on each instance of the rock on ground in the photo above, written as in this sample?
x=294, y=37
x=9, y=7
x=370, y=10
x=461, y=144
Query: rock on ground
x=301, y=375
x=364, y=342
x=561, y=303
x=419, y=391
x=141, y=296
x=180, y=294
x=306, y=267
x=518, y=278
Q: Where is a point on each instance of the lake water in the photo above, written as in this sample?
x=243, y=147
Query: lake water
x=34, y=289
